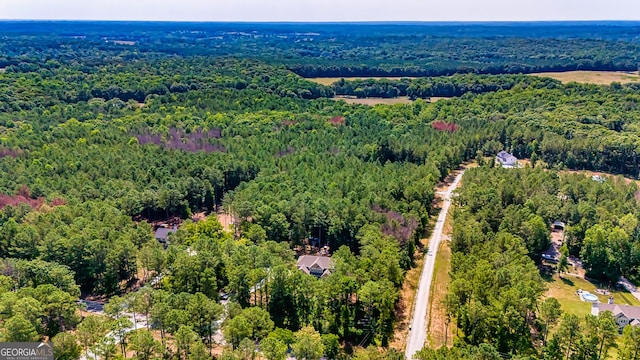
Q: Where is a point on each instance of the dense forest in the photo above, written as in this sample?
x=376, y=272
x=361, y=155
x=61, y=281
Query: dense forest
x=107, y=131
x=337, y=50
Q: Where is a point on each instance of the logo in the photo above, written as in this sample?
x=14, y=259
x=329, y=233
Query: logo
x=26, y=351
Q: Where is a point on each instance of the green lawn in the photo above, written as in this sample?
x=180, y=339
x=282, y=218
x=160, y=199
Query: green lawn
x=565, y=291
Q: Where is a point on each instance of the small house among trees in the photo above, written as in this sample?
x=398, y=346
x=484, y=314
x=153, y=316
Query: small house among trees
x=162, y=234
x=318, y=266
x=507, y=160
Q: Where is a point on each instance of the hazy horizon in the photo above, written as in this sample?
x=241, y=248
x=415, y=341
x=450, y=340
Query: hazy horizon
x=327, y=11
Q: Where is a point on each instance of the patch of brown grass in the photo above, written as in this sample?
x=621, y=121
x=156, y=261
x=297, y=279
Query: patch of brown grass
x=330, y=80
x=23, y=196
x=592, y=77
x=375, y=101
x=439, y=332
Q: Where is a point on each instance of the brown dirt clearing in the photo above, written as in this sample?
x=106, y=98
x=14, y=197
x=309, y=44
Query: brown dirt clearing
x=375, y=101
x=330, y=80
x=592, y=77
x=226, y=220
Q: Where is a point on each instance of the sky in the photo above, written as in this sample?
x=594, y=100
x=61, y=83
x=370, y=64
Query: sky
x=322, y=10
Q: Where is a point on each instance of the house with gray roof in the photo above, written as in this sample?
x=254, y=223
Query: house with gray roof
x=318, y=266
x=623, y=314
x=162, y=234
x=507, y=160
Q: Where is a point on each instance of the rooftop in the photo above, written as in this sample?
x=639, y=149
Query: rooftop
x=319, y=266
x=163, y=233
x=506, y=159
x=631, y=312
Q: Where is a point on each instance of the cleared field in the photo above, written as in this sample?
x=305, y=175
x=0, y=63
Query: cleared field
x=375, y=101
x=123, y=42
x=330, y=80
x=592, y=77
x=565, y=291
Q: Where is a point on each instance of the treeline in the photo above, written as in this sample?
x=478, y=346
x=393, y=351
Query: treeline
x=450, y=86
x=137, y=80
x=601, y=217
x=335, y=50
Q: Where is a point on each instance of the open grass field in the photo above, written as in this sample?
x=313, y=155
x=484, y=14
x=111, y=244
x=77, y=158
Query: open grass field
x=564, y=289
x=439, y=333
x=627, y=180
x=375, y=101
x=592, y=77
x=330, y=80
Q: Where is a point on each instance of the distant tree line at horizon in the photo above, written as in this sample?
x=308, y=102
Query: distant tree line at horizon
x=335, y=50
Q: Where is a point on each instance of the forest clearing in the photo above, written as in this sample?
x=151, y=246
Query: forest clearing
x=327, y=81
x=592, y=77
x=374, y=101
x=580, y=76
